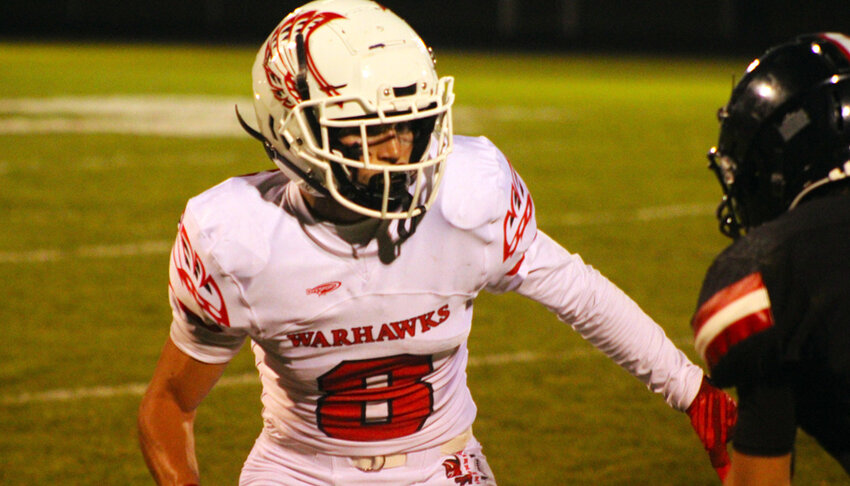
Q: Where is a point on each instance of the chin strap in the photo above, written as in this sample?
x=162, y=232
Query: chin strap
x=278, y=158
x=371, y=194
x=405, y=232
x=836, y=174
x=389, y=249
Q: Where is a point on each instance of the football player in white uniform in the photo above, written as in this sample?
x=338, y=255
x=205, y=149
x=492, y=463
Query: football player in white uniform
x=354, y=277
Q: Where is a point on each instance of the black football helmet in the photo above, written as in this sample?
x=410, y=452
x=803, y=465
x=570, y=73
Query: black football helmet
x=785, y=130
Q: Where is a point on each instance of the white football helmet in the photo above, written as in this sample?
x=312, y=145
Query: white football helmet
x=352, y=64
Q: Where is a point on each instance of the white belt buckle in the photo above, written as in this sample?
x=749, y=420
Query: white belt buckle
x=376, y=463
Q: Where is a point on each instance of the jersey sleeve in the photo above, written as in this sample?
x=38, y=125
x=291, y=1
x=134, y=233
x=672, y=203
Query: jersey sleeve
x=607, y=318
x=767, y=423
x=209, y=318
x=515, y=231
x=734, y=321
x=735, y=315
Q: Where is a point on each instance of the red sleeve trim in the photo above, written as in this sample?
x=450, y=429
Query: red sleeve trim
x=730, y=316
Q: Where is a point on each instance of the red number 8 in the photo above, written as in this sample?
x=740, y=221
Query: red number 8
x=375, y=399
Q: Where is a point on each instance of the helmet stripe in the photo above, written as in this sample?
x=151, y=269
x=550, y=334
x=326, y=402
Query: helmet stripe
x=841, y=41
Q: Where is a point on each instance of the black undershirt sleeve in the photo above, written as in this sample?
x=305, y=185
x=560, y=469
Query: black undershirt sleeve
x=766, y=419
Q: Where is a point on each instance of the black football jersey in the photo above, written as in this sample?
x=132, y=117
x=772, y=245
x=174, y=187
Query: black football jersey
x=773, y=320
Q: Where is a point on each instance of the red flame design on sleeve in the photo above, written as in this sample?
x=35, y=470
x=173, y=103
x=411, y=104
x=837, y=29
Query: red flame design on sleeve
x=197, y=282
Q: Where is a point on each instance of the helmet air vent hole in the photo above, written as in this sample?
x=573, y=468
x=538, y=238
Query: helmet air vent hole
x=406, y=90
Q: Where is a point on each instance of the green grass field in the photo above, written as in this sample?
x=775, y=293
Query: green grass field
x=92, y=182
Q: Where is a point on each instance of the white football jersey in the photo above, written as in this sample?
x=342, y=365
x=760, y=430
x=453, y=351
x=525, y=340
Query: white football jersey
x=360, y=341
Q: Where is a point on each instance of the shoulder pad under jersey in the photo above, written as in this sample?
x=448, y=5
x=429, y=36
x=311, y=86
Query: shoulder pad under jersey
x=476, y=188
x=236, y=219
x=483, y=193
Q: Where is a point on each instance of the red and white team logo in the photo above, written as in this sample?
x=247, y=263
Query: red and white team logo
x=464, y=469
x=516, y=219
x=323, y=289
x=730, y=316
x=196, y=281
x=281, y=47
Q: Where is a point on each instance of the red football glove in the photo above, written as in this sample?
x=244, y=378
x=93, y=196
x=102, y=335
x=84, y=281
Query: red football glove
x=713, y=416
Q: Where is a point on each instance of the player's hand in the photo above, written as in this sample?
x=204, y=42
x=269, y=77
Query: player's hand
x=713, y=416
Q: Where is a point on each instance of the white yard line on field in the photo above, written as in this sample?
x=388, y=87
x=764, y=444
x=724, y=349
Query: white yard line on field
x=48, y=255
x=137, y=389
x=639, y=215
x=167, y=115
x=187, y=116
x=96, y=251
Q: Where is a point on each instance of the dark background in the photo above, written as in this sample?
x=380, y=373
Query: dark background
x=711, y=26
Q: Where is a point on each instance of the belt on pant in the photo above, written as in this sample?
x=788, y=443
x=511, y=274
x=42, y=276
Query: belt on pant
x=376, y=463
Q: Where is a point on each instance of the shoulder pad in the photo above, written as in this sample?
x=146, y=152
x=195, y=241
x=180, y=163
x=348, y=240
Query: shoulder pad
x=235, y=220
x=484, y=194
x=476, y=187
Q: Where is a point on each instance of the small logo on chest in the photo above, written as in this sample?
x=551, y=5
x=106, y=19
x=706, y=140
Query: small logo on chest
x=325, y=288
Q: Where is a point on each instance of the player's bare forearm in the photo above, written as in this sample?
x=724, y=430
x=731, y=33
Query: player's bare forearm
x=759, y=471
x=167, y=441
x=167, y=414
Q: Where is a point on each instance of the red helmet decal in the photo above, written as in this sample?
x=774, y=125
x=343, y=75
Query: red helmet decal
x=840, y=41
x=282, y=39
x=459, y=468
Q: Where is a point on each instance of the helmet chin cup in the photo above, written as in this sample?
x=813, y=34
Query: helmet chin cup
x=373, y=194
x=397, y=194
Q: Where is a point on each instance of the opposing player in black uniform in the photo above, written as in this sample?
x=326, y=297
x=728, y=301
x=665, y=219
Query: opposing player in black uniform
x=773, y=318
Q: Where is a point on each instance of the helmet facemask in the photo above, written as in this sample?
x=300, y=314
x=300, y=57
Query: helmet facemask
x=729, y=214
x=412, y=138
x=394, y=191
